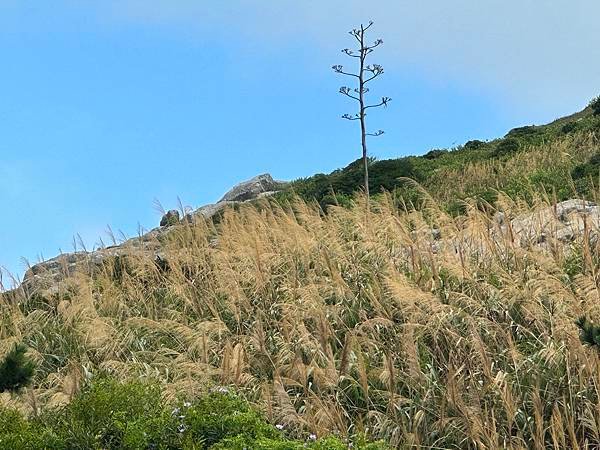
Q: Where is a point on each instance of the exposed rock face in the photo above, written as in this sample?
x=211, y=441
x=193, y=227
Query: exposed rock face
x=45, y=276
x=208, y=211
x=565, y=222
x=254, y=188
x=257, y=187
x=550, y=228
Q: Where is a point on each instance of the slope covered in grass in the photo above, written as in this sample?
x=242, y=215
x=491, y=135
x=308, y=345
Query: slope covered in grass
x=354, y=321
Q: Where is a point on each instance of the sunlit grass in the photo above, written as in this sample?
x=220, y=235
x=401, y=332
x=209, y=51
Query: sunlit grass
x=351, y=321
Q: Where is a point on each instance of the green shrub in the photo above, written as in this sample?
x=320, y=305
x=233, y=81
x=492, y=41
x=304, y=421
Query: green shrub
x=507, y=146
x=569, y=127
x=595, y=105
x=109, y=414
x=18, y=433
x=474, y=145
x=589, y=333
x=16, y=370
x=550, y=180
x=343, y=200
x=591, y=168
x=221, y=415
x=112, y=415
x=525, y=131
x=434, y=154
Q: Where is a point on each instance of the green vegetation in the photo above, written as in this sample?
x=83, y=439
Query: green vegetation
x=507, y=146
x=595, y=105
x=109, y=414
x=590, y=333
x=16, y=370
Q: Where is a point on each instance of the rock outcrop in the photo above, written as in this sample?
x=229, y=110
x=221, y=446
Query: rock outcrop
x=257, y=187
x=254, y=188
x=564, y=222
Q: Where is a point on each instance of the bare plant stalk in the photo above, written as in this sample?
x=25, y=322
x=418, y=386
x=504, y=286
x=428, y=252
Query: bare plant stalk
x=366, y=73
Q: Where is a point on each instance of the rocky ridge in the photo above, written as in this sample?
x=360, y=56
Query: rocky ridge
x=46, y=277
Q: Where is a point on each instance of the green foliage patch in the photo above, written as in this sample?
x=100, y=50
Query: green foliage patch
x=589, y=332
x=109, y=414
x=595, y=105
x=507, y=146
x=16, y=370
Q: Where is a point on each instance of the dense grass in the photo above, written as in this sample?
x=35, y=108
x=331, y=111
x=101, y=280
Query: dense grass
x=358, y=321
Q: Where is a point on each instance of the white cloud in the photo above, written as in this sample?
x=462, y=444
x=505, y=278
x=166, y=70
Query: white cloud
x=538, y=56
x=541, y=53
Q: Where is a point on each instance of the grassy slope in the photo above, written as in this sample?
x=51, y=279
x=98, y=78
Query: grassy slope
x=344, y=322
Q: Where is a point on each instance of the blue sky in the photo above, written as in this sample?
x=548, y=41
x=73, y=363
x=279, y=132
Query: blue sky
x=108, y=105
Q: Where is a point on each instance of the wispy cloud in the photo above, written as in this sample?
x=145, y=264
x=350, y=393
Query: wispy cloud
x=541, y=52
x=531, y=52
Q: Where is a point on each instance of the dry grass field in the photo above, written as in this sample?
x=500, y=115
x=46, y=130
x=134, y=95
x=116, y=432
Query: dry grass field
x=351, y=321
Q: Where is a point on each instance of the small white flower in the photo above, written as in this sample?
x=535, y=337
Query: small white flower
x=187, y=404
x=279, y=426
x=312, y=437
x=181, y=428
x=175, y=412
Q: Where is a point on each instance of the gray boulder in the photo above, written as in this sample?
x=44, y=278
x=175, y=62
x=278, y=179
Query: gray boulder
x=253, y=188
x=208, y=211
x=564, y=222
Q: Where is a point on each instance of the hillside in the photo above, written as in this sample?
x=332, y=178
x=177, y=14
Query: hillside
x=448, y=325
x=557, y=158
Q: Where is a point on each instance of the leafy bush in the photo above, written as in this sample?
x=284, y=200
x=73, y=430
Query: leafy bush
x=589, y=333
x=569, y=127
x=16, y=370
x=591, y=168
x=507, y=146
x=113, y=415
x=219, y=415
x=109, y=414
x=525, y=131
x=595, y=105
x=343, y=200
x=18, y=433
x=434, y=154
x=345, y=182
x=474, y=144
